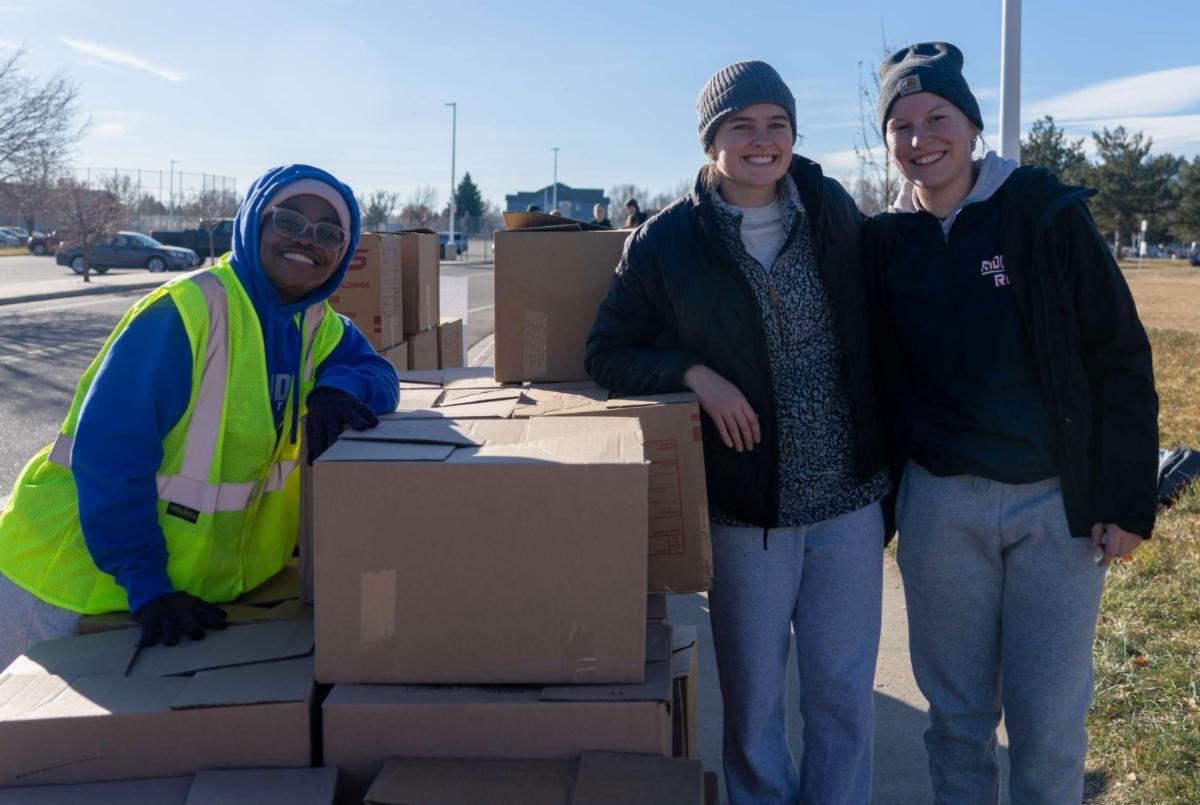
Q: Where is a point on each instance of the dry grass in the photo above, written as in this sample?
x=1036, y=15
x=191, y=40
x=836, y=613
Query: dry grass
x=1144, y=724
x=13, y=251
x=1167, y=293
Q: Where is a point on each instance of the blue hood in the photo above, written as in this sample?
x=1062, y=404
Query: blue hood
x=281, y=335
x=247, y=229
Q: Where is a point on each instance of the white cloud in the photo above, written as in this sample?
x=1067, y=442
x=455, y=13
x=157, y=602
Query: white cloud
x=837, y=163
x=1159, y=93
x=9, y=44
x=115, y=56
x=1177, y=134
x=987, y=93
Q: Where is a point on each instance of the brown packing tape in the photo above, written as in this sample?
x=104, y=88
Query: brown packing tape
x=377, y=616
x=535, y=346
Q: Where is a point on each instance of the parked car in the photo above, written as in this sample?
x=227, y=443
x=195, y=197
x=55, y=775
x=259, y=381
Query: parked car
x=128, y=250
x=197, y=239
x=1194, y=254
x=40, y=244
x=9, y=238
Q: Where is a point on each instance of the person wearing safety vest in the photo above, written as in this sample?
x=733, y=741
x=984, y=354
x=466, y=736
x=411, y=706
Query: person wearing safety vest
x=173, y=483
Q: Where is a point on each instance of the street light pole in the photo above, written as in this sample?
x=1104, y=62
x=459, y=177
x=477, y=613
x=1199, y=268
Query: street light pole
x=1010, y=79
x=174, y=162
x=453, y=153
x=554, y=200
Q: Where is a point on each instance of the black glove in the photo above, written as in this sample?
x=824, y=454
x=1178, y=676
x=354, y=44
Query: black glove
x=165, y=618
x=329, y=412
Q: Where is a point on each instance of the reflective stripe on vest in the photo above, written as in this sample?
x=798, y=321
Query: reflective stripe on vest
x=201, y=441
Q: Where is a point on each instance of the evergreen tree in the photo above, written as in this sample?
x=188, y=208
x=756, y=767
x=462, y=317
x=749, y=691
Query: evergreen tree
x=1132, y=185
x=468, y=200
x=1188, y=209
x=1047, y=145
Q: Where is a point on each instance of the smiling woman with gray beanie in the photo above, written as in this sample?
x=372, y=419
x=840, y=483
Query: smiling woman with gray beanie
x=1021, y=384
x=748, y=291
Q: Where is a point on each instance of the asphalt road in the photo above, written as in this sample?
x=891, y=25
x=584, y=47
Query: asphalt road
x=45, y=347
x=33, y=269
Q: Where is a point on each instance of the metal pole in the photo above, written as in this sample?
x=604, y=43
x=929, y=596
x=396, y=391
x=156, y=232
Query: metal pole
x=1010, y=80
x=554, y=201
x=450, y=244
x=171, y=211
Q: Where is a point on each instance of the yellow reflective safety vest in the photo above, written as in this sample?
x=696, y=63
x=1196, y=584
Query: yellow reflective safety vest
x=228, y=486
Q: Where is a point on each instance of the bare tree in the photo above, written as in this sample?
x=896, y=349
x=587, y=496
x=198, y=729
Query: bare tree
x=661, y=200
x=377, y=208
x=878, y=181
x=37, y=120
x=91, y=216
x=211, y=205
x=420, y=209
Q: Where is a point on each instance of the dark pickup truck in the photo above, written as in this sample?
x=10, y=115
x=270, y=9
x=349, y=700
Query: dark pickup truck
x=197, y=239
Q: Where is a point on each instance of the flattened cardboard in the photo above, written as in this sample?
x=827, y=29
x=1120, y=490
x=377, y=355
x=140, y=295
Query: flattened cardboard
x=421, y=272
x=414, y=397
x=441, y=430
x=236, y=614
x=608, y=777
x=423, y=350
x=541, y=580
x=438, y=781
x=491, y=409
x=371, y=293
x=265, y=787
x=467, y=377
x=110, y=654
x=549, y=286
x=261, y=683
x=450, y=344
x=158, y=791
x=236, y=645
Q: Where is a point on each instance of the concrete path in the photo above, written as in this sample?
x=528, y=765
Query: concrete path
x=901, y=765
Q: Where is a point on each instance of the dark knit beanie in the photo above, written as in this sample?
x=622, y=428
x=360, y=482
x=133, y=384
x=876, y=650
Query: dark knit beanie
x=926, y=67
x=736, y=87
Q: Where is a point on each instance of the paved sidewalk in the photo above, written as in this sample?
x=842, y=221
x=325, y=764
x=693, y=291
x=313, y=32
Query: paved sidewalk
x=901, y=765
x=61, y=287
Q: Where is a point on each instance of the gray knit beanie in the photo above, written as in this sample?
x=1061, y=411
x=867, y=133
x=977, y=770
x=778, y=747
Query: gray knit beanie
x=736, y=87
x=926, y=67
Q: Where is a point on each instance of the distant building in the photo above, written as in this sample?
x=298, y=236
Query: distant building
x=573, y=202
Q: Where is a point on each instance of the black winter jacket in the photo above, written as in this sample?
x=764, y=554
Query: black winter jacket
x=1091, y=352
x=679, y=299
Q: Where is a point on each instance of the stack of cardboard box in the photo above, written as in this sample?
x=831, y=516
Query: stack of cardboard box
x=391, y=294
x=371, y=295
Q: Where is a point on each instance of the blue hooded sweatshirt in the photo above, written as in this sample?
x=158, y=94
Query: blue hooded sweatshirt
x=142, y=388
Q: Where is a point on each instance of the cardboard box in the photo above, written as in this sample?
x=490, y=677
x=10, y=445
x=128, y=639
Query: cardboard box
x=98, y=707
x=422, y=276
x=549, y=286
x=685, y=692
x=397, y=356
x=596, y=778
x=540, y=579
x=680, y=546
x=364, y=725
x=224, y=787
x=423, y=350
x=450, y=344
x=371, y=294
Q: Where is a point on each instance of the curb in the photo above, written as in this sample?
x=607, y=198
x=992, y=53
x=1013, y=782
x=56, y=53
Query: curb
x=95, y=291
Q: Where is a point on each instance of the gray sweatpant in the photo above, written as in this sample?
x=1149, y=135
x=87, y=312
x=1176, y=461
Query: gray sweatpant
x=1002, y=604
x=25, y=619
x=825, y=581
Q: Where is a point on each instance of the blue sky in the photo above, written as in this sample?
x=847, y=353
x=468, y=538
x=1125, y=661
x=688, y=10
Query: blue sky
x=232, y=88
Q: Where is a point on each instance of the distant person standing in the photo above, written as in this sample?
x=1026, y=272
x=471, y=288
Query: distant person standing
x=635, y=217
x=600, y=216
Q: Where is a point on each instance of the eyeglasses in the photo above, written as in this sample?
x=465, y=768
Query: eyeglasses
x=292, y=224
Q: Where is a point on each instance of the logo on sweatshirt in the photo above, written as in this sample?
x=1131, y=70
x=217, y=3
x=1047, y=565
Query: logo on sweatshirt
x=994, y=268
x=281, y=384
